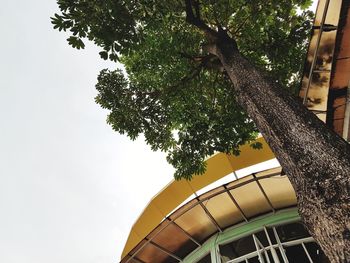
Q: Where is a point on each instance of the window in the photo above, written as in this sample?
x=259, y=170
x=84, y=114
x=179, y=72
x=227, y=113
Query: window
x=205, y=259
x=285, y=243
x=237, y=248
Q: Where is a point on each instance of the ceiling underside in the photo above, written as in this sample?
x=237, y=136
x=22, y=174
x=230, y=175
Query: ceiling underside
x=192, y=224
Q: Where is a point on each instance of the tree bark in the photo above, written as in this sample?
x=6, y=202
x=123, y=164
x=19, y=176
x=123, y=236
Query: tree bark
x=316, y=159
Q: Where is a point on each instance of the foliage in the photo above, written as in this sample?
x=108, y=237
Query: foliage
x=173, y=92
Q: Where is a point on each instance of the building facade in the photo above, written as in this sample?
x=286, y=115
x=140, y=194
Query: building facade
x=250, y=218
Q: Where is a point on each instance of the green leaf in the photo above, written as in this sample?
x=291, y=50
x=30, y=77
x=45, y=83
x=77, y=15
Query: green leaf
x=103, y=55
x=256, y=145
x=174, y=93
x=75, y=42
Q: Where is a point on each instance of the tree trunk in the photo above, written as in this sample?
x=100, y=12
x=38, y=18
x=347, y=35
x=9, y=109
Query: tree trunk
x=316, y=159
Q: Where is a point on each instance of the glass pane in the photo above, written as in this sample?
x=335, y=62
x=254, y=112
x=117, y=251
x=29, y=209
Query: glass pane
x=183, y=208
x=161, y=227
x=254, y=260
x=206, y=259
x=291, y=232
x=333, y=12
x=332, y=17
x=321, y=116
x=138, y=247
x=318, y=91
x=197, y=223
x=267, y=256
x=308, y=62
x=151, y=254
x=272, y=236
x=296, y=254
x=251, y=200
x=319, y=12
x=312, y=48
x=304, y=84
x=279, y=255
x=262, y=238
x=222, y=208
x=325, y=51
x=175, y=241
x=126, y=258
x=237, y=248
x=279, y=190
x=316, y=253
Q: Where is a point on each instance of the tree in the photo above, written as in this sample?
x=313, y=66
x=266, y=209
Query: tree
x=187, y=60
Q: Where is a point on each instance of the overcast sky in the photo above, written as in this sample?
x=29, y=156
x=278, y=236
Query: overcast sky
x=70, y=187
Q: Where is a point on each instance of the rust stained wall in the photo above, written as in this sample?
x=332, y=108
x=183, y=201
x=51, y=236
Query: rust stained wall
x=340, y=77
x=319, y=61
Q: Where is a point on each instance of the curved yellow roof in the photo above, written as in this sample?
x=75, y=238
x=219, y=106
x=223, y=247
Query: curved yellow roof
x=176, y=192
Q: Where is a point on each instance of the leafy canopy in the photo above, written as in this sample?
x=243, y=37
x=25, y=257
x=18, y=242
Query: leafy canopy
x=173, y=92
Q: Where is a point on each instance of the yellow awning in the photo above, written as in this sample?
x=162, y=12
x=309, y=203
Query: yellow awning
x=176, y=192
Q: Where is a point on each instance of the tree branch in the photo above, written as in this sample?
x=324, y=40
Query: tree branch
x=197, y=9
x=238, y=29
x=195, y=72
x=192, y=57
x=194, y=19
x=208, y=61
x=213, y=36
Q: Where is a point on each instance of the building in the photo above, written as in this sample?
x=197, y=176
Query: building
x=251, y=218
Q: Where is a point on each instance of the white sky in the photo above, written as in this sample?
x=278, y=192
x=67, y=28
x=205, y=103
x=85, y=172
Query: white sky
x=70, y=187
